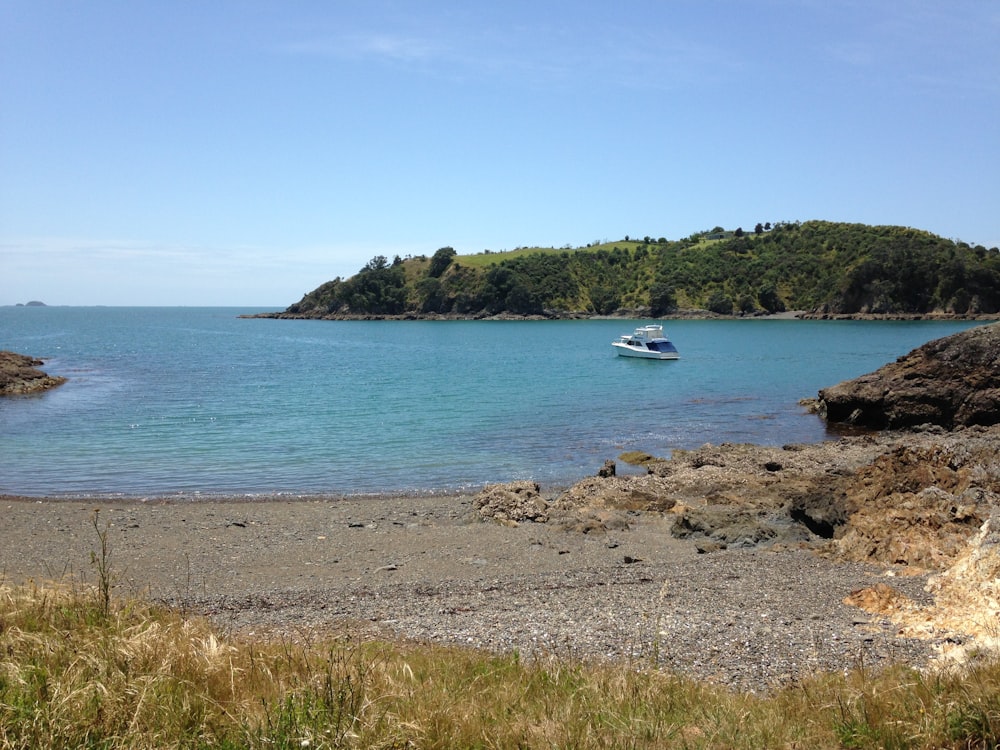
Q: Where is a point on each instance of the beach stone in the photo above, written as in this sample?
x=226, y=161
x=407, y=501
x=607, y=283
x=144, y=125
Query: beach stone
x=591, y=520
x=641, y=493
x=512, y=503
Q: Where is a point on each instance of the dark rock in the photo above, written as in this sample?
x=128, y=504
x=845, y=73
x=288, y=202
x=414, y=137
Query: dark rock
x=714, y=528
x=821, y=509
x=608, y=470
x=704, y=547
x=952, y=382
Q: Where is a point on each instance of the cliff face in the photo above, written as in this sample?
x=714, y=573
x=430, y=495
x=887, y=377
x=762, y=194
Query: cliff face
x=18, y=375
x=951, y=382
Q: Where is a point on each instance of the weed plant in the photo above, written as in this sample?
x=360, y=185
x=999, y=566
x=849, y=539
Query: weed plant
x=74, y=674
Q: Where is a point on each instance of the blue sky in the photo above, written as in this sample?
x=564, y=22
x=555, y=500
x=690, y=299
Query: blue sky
x=242, y=153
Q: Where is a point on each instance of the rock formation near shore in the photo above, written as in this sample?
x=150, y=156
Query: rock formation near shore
x=919, y=503
x=730, y=495
x=951, y=382
x=19, y=376
x=919, y=500
x=512, y=503
x=911, y=499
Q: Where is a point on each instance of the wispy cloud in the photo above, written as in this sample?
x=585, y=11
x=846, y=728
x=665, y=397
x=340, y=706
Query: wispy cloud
x=375, y=45
x=535, y=57
x=925, y=44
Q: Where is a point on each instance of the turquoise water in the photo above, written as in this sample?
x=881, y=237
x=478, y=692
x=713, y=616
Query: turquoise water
x=181, y=400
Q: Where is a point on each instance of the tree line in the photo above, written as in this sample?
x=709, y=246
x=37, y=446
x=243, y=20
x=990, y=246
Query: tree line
x=818, y=266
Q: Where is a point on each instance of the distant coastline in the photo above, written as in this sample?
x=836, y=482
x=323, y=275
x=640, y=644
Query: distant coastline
x=833, y=269
x=629, y=315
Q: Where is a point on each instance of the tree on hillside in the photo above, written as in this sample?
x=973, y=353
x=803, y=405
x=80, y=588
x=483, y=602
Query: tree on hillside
x=605, y=300
x=377, y=288
x=838, y=267
x=720, y=303
x=378, y=263
x=440, y=262
x=767, y=297
x=662, y=298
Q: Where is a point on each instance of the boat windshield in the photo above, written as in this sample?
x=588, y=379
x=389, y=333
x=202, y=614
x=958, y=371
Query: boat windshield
x=662, y=346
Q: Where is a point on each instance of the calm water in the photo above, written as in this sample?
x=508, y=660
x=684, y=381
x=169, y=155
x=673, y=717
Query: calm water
x=181, y=400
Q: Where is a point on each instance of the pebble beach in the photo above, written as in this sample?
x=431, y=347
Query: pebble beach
x=428, y=568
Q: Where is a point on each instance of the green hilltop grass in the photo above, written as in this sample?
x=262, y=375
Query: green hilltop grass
x=826, y=267
x=486, y=259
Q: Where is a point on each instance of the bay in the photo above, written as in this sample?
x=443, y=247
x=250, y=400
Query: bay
x=164, y=401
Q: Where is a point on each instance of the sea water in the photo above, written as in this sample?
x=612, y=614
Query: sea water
x=164, y=401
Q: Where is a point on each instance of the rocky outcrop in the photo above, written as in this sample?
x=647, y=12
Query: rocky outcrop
x=18, y=375
x=921, y=502
x=630, y=493
x=961, y=618
x=746, y=495
x=951, y=382
x=730, y=495
x=512, y=503
x=907, y=502
x=967, y=594
x=907, y=499
x=515, y=503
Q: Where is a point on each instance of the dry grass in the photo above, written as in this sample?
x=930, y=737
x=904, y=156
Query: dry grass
x=75, y=675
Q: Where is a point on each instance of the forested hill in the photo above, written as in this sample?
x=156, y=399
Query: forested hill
x=816, y=266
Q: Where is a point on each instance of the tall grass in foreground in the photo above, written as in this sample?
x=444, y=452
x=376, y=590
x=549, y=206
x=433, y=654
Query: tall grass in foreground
x=75, y=674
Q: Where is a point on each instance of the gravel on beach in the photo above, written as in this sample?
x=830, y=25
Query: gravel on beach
x=427, y=568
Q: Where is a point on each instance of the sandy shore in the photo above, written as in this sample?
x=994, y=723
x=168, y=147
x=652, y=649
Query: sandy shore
x=427, y=568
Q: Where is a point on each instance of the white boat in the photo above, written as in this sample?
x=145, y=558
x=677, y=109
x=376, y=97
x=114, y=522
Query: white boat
x=647, y=342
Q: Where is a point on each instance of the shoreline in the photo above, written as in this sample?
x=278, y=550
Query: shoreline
x=235, y=498
x=428, y=569
x=606, y=577
x=627, y=315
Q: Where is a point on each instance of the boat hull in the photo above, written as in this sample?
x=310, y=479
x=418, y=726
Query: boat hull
x=624, y=350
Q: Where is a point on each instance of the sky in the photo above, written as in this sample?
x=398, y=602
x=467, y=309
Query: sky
x=158, y=152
